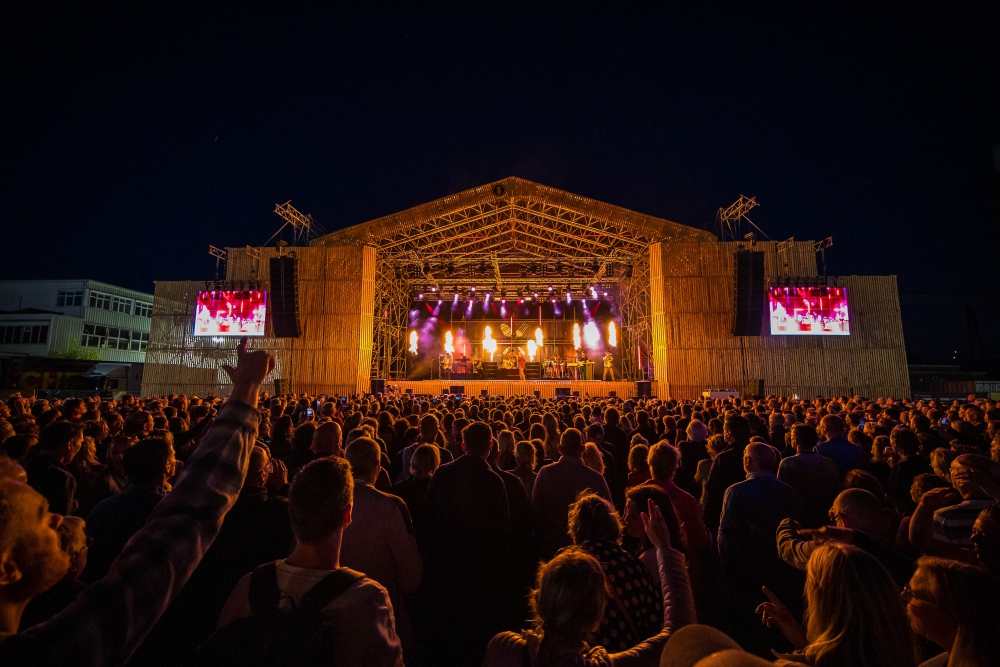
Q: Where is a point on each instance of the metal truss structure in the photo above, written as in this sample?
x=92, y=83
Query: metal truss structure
x=730, y=220
x=304, y=227
x=510, y=236
x=636, y=330
x=392, y=300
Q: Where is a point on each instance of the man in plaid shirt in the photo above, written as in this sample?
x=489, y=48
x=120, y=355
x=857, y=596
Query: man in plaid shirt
x=106, y=622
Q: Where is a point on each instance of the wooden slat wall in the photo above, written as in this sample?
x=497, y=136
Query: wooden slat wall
x=336, y=306
x=691, y=304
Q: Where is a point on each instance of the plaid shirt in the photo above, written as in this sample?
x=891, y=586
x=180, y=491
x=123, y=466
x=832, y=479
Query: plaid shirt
x=108, y=621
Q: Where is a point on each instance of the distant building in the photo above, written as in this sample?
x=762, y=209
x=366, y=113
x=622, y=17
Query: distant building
x=71, y=320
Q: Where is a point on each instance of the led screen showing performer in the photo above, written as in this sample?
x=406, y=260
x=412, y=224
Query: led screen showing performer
x=809, y=311
x=230, y=313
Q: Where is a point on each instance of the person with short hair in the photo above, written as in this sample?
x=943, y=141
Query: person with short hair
x=380, y=539
x=727, y=469
x=752, y=512
x=48, y=472
x=73, y=542
x=663, y=461
x=814, y=477
x=423, y=464
x=113, y=521
x=837, y=447
x=857, y=517
x=155, y=565
x=465, y=539
x=320, y=503
x=908, y=465
x=556, y=488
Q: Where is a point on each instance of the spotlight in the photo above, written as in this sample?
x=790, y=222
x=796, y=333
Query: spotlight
x=434, y=289
x=550, y=288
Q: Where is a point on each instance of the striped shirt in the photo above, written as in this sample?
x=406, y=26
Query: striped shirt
x=953, y=525
x=108, y=621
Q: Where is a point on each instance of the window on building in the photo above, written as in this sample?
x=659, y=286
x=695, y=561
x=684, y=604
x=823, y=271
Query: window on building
x=120, y=305
x=24, y=334
x=67, y=298
x=110, y=338
x=100, y=300
x=143, y=309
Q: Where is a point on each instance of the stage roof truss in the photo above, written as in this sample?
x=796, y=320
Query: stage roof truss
x=508, y=236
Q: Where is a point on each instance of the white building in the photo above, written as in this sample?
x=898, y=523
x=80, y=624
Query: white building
x=82, y=319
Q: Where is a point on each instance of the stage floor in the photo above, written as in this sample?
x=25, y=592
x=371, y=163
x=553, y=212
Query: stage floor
x=508, y=388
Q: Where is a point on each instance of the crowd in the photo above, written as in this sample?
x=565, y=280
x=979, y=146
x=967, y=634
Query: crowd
x=390, y=530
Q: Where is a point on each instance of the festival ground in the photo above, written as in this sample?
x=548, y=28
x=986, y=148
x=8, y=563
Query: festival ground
x=508, y=388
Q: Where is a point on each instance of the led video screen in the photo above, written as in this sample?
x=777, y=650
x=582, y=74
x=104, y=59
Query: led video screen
x=809, y=311
x=230, y=313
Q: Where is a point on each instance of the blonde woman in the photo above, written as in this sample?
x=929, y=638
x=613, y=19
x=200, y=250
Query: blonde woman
x=854, y=614
x=593, y=458
x=568, y=605
x=956, y=606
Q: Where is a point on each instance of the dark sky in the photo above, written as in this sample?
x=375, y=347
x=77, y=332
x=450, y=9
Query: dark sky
x=134, y=137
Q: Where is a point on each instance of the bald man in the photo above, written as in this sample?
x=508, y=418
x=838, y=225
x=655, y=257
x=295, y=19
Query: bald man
x=327, y=440
x=857, y=518
x=751, y=512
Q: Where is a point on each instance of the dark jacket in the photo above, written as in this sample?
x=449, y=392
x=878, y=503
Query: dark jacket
x=617, y=441
x=412, y=491
x=257, y=530
x=752, y=511
x=691, y=452
x=113, y=521
x=48, y=476
x=727, y=469
x=844, y=453
x=901, y=479
x=464, y=537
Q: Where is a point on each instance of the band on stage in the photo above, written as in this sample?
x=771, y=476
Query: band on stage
x=575, y=366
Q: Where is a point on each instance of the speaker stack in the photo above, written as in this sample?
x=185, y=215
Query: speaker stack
x=378, y=385
x=748, y=297
x=284, y=297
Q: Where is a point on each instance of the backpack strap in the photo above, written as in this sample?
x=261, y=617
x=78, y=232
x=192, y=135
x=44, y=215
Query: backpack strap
x=328, y=589
x=264, y=593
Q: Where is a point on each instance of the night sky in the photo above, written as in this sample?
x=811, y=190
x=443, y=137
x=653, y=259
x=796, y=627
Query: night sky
x=133, y=138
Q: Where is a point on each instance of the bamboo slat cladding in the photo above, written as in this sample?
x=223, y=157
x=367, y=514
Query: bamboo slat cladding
x=336, y=294
x=693, y=350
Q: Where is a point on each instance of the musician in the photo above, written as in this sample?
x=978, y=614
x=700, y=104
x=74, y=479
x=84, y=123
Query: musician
x=609, y=366
x=521, y=361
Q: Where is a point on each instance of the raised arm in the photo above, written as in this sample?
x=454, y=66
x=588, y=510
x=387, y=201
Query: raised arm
x=678, y=601
x=108, y=621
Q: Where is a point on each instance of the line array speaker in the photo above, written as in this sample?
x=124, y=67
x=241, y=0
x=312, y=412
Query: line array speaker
x=284, y=298
x=748, y=296
x=280, y=386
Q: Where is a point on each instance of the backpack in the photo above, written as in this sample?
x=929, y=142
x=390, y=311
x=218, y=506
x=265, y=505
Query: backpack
x=273, y=637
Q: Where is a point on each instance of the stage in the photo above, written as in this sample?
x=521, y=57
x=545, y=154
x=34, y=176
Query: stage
x=508, y=388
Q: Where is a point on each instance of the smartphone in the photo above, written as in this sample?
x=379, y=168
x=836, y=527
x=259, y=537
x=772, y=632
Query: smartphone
x=862, y=424
x=309, y=412
x=343, y=400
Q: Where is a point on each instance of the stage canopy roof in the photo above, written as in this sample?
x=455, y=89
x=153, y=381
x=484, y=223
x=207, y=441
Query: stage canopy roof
x=513, y=228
